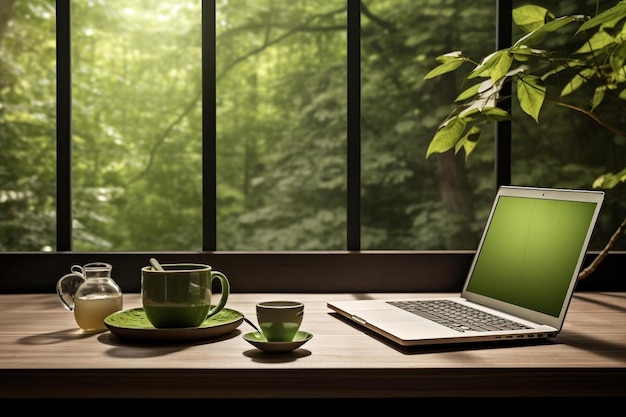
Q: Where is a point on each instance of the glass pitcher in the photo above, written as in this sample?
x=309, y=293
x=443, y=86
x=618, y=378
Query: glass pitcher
x=91, y=293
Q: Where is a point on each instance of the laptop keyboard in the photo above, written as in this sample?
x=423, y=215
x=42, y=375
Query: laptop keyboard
x=457, y=316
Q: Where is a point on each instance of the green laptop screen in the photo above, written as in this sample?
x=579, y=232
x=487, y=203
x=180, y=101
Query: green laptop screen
x=530, y=252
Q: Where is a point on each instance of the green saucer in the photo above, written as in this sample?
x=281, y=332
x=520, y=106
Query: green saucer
x=257, y=340
x=133, y=324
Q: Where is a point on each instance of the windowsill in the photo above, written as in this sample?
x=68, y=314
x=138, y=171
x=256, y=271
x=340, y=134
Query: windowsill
x=303, y=272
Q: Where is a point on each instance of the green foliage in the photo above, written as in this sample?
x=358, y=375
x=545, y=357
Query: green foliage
x=596, y=70
x=138, y=125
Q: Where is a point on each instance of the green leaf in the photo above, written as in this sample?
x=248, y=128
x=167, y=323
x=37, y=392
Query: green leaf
x=531, y=17
x=598, y=41
x=447, y=136
x=537, y=35
x=473, y=110
x=613, y=14
x=577, y=81
x=468, y=93
x=573, y=85
x=610, y=180
x=618, y=57
x=531, y=93
x=496, y=114
x=598, y=96
x=444, y=68
x=450, y=56
x=622, y=95
x=524, y=52
x=469, y=141
x=494, y=66
x=566, y=64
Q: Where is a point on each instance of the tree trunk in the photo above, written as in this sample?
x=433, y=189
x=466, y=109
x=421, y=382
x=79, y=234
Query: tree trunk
x=6, y=9
x=457, y=197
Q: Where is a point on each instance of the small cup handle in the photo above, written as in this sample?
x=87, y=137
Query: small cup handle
x=225, y=292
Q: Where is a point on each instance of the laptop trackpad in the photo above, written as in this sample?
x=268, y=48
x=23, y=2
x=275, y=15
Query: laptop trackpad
x=402, y=323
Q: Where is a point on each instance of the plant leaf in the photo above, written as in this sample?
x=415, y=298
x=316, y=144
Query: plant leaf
x=468, y=93
x=444, y=68
x=618, y=57
x=615, y=13
x=567, y=64
x=578, y=80
x=447, y=136
x=524, y=52
x=496, y=114
x=531, y=93
x=469, y=141
x=598, y=96
x=450, y=56
x=599, y=40
x=495, y=66
x=540, y=33
x=531, y=17
x=610, y=180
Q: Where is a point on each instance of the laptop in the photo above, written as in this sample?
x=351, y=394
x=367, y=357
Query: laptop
x=520, y=282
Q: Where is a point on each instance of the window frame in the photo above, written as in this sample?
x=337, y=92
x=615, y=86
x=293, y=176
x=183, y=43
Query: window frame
x=349, y=271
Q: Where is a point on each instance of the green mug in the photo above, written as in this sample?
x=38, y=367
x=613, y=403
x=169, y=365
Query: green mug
x=180, y=295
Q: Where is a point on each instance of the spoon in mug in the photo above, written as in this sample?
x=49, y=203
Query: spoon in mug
x=156, y=265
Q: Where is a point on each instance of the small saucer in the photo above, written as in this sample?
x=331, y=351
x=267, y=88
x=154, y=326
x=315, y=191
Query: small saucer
x=258, y=341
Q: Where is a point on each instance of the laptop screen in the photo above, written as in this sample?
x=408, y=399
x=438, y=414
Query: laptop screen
x=531, y=250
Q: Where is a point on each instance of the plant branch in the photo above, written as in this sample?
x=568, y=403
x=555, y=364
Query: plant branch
x=593, y=265
x=593, y=116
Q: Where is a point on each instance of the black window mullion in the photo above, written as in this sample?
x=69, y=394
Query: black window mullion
x=354, y=125
x=64, y=127
x=209, y=133
x=504, y=27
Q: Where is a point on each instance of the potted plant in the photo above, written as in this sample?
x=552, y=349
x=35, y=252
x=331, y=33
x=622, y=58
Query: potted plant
x=595, y=70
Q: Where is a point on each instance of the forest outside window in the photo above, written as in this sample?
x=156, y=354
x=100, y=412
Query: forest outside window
x=257, y=99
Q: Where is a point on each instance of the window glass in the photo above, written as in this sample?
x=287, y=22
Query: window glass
x=27, y=125
x=281, y=124
x=137, y=139
x=408, y=201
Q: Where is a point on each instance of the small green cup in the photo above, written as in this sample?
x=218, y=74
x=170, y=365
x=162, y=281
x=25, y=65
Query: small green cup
x=279, y=320
x=180, y=296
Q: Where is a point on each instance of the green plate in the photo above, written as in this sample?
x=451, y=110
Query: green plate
x=133, y=324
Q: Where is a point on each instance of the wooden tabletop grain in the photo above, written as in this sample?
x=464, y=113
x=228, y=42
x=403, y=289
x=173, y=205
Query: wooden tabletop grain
x=41, y=345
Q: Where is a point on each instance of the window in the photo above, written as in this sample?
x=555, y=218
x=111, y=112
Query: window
x=261, y=136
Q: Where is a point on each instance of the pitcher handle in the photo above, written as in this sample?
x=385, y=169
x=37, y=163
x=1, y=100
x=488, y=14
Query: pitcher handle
x=67, y=286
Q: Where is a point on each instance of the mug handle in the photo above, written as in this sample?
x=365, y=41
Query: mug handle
x=225, y=292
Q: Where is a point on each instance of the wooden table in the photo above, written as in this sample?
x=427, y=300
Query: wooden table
x=44, y=355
